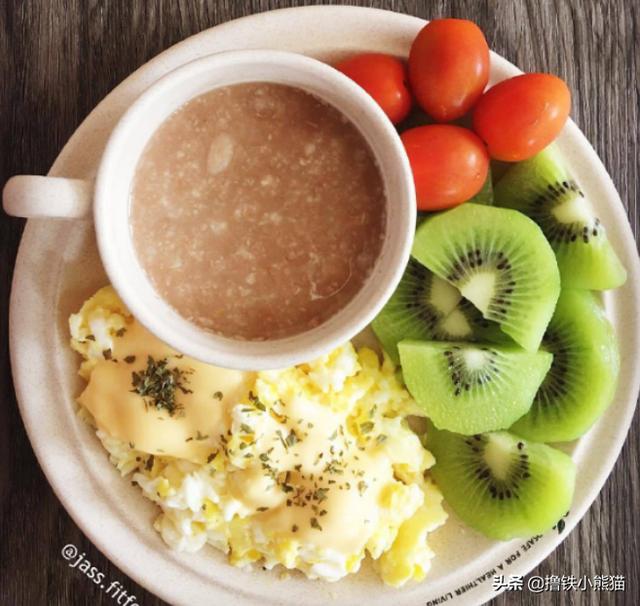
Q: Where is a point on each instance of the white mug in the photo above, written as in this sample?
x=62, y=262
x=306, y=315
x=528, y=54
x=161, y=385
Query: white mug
x=109, y=198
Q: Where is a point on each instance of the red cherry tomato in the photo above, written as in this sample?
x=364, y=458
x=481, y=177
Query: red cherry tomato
x=520, y=116
x=448, y=67
x=385, y=78
x=449, y=164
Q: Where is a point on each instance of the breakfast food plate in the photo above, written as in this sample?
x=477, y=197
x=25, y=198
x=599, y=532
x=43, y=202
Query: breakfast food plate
x=58, y=268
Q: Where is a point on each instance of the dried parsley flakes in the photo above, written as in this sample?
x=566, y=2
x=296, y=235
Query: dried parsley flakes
x=157, y=384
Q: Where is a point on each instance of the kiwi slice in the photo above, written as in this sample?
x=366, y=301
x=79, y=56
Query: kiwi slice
x=419, y=302
x=499, y=260
x=500, y=484
x=582, y=380
x=542, y=188
x=427, y=307
x=470, y=388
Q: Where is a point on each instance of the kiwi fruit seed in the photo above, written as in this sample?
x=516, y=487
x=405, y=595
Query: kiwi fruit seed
x=501, y=484
x=424, y=306
x=499, y=260
x=582, y=379
x=471, y=388
x=542, y=188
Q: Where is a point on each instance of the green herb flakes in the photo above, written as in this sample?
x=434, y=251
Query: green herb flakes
x=292, y=438
x=157, y=384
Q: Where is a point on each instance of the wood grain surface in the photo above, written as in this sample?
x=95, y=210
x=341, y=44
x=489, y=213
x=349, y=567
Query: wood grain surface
x=59, y=58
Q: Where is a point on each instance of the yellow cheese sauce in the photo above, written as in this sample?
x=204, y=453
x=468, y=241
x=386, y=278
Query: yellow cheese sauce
x=190, y=434
x=311, y=467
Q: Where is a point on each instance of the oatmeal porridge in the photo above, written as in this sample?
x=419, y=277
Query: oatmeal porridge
x=257, y=211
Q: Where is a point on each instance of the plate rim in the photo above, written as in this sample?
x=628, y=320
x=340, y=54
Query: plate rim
x=621, y=428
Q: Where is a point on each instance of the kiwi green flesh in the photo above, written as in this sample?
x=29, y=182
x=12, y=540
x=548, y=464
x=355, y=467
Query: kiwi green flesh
x=581, y=382
x=593, y=266
x=499, y=260
x=419, y=302
x=501, y=484
x=471, y=388
x=543, y=189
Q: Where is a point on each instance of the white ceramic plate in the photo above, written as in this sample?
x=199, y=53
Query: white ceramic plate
x=58, y=267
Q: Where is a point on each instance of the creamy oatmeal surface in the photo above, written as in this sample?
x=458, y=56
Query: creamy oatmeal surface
x=258, y=211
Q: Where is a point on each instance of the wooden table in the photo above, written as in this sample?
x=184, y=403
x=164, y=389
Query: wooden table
x=59, y=58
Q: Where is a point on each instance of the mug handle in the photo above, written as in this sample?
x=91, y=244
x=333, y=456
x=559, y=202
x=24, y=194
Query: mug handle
x=33, y=197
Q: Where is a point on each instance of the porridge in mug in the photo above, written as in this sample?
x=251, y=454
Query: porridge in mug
x=257, y=211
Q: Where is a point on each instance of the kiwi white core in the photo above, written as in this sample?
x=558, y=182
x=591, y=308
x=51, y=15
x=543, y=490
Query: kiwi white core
x=496, y=455
x=479, y=289
x=573, y=210
x=475, y=359
x=456, y=324
x=444, y=296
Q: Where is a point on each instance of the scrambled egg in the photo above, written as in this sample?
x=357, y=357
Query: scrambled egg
x=311, y=467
